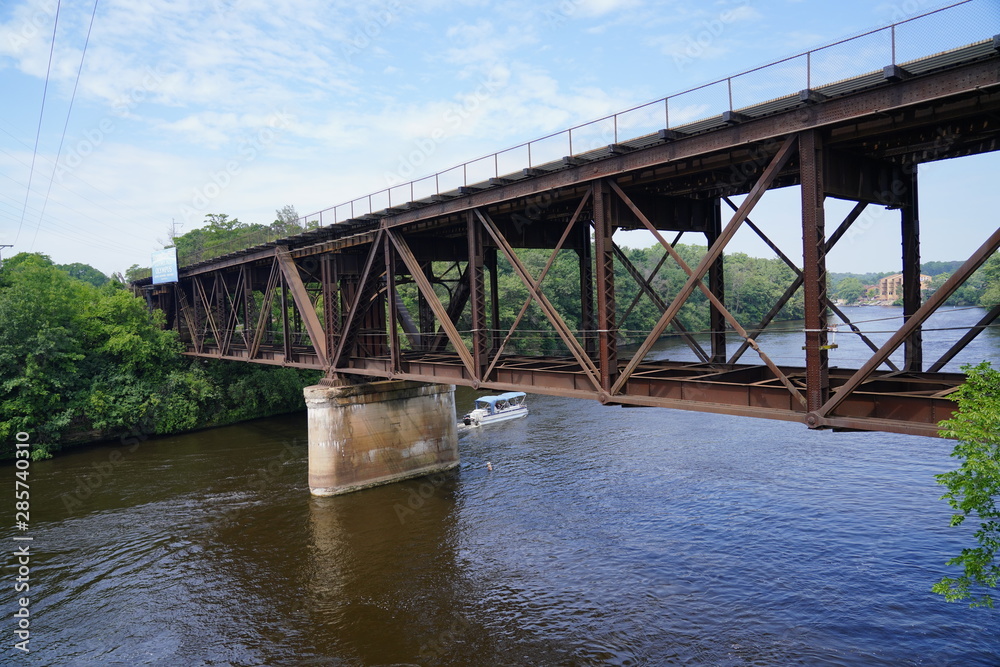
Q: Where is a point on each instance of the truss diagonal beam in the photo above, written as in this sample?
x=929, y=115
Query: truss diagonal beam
x=645, y=287
x=769, y=317
x=942, y=294
x=366, y=285
x=652, y=274
x=406, y=322
x=538, y=281
x=265, y=309
x=234, y=313
x=695, y=277
x=854, y=329
x=189, y=319
x=424, y=285
x=962, y=342
x=458, y=297
x=302, y=301
x=851, y=218
x=206, y=303
x=550, y=312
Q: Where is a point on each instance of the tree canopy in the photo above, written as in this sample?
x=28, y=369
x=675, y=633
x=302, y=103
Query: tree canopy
x=974, y=487
x=81, y=362
x=222, y=234
x=850, y=289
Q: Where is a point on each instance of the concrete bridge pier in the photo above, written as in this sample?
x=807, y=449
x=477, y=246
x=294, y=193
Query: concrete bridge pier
x=377, y=433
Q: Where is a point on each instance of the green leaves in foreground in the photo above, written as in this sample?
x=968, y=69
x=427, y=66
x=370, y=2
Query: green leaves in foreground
x=80, y=362
x=973, y=489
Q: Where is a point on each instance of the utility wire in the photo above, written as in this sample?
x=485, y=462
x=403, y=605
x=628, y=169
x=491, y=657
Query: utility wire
x=74, y=174
x=41, y=114
x=77, y=194
x=123, y=232
x=69, y=111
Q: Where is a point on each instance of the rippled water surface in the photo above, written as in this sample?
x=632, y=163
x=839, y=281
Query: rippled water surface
x=603, y=535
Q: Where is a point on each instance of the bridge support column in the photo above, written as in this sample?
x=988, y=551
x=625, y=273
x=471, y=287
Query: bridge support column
x=913, y=347
x=377, y=433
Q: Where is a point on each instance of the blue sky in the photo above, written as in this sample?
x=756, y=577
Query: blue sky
x=243, y=106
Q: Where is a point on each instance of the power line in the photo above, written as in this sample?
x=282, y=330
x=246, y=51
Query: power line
x=41, y=114
x=75, y=175
x=66, y=206
x=69, y=111
x=120, y=230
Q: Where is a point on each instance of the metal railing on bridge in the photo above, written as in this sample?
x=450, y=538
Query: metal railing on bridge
x=832, y=69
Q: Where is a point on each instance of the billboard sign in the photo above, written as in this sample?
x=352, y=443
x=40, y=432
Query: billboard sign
x=165, y=266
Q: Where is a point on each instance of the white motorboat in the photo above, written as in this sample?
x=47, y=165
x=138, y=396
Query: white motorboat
x=491, y=409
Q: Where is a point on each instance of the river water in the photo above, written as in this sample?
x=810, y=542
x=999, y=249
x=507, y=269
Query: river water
x=603, y=535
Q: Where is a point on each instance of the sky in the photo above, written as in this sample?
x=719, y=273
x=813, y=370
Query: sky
x=183, y=108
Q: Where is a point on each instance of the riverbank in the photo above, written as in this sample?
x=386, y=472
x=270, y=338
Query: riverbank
x=75, y=442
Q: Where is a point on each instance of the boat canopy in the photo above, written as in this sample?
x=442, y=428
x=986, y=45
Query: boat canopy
x=509, y=397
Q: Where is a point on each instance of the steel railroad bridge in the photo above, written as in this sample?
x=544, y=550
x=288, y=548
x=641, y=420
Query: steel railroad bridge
x=329, y=298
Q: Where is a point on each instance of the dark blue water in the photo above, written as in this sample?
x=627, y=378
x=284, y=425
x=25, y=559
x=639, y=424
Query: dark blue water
x=603, y=535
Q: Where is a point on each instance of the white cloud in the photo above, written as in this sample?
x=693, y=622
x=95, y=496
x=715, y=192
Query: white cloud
x=604, y=7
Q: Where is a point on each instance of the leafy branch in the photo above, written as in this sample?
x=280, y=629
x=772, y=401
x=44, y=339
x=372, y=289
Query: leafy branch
x=973, y=488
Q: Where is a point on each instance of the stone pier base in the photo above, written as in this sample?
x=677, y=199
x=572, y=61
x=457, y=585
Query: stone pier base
x=365, y=435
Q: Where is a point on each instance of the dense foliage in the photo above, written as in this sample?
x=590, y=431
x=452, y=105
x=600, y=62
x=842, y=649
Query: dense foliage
x=974, y=488
x=80, y=362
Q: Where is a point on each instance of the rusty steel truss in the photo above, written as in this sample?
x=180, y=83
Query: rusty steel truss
x=332, y=299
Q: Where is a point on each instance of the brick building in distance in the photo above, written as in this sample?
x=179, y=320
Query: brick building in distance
x=890, y=288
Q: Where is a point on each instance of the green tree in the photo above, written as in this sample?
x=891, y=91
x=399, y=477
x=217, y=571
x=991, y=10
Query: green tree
x=937, y=268
x=40, y=347
x=286, y=222
x=135, y=272
x=850, y=290
x=84, y=272
x=974, y=488
x=220, y=235
x=26, y=259
x=79, y=362
x=991, y=278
